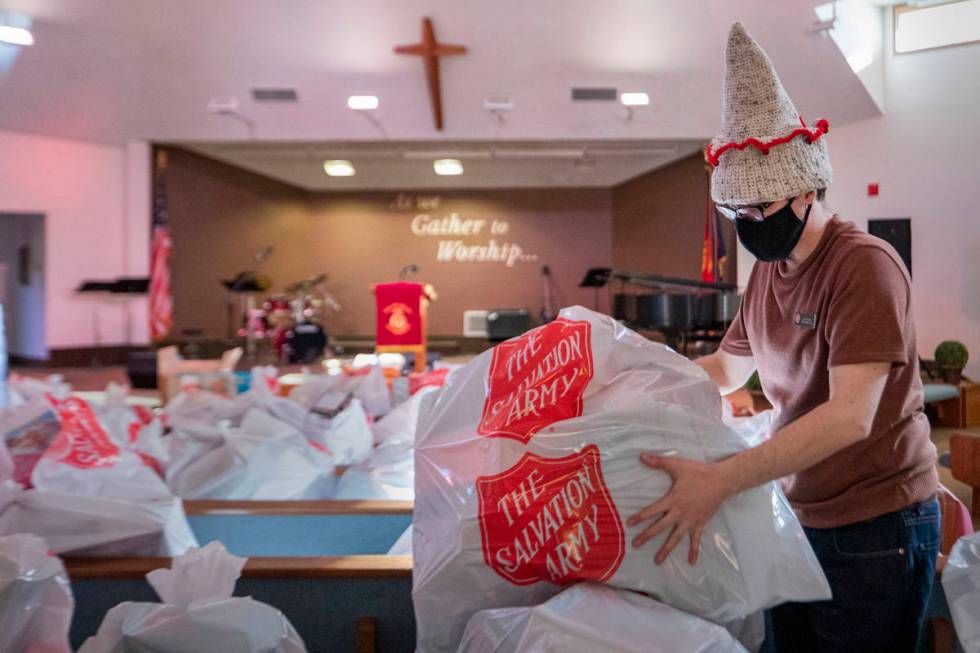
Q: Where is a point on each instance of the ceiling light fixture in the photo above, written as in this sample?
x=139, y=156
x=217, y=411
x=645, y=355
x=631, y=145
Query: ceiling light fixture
x=635, y=99
x=363, y=102
x=448, y=167
x=632, y=101
x=16, y=35
x=338, y=168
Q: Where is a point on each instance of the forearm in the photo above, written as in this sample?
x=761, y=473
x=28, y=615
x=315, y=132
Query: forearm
x=712, y=364
x=817, y=435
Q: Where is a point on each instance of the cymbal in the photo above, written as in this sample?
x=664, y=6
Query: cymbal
x=307, y=283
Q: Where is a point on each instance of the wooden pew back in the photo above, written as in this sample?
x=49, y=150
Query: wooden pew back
x=300, y=528
x=316, y=561
x=332, y=601
x=964, y=463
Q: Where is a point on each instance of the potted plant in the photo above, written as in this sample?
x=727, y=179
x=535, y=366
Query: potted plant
x=754, y=387
x=951, y=357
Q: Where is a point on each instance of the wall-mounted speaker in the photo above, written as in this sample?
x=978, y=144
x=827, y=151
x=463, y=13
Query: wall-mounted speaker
x=897, y=232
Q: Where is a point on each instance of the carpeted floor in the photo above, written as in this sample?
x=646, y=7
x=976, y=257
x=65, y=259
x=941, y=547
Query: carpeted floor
x=96, y=378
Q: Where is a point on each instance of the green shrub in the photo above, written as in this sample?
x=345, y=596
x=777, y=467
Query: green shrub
x=754, y=384
x=951, y=354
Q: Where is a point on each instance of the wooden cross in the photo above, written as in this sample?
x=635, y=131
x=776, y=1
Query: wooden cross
x=430, y=50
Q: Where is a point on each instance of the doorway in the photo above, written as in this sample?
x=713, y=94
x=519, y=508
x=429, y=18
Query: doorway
x=22, y=285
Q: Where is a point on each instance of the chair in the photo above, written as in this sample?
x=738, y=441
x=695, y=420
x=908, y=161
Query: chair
x=956, y=523
x=964, y=463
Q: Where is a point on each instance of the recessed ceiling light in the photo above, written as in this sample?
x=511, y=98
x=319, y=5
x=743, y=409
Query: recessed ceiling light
x=16, y=35
x=448, y=167
x=338, y=168
x=634, y=99
x=363, y=102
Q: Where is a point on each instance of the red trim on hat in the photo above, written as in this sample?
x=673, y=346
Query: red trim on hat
x=811, y=136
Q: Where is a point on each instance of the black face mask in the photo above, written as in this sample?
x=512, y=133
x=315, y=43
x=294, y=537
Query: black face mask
x=774, y=238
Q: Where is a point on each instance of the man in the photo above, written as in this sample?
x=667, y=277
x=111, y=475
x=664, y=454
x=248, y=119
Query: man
x=827, y=320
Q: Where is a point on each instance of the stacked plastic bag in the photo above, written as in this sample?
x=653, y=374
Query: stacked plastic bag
x=88, y=525
x=259, y=445
x=36, y=602
x=82, y=459
x=389, y=472
x=366, y=384
x=527, y=466
x=961, y=582
x=587, y=618
x=27, y=430
x=198, y=613
x=90, y=491
x=6, y=463
x=263, y=458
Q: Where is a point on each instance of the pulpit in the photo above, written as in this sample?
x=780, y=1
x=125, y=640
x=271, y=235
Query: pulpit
x=402, y=318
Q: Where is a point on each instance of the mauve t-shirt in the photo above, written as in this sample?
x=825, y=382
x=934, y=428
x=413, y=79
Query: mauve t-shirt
x=848, y=302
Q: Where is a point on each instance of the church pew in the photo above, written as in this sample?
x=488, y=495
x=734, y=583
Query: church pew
x=300, y=528
x=336, y=603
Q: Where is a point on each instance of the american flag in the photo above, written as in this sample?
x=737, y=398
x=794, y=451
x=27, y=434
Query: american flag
x=713, y=253
x=161, y=303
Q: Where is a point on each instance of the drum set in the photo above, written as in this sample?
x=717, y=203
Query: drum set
x=291, y=322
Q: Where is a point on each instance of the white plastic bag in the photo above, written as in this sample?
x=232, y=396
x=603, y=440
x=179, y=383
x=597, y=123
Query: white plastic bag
x=198, y=613
x=263, y=459
x=527, y=466
x=86, y=525
x=402, y=422
x=961, y=582
x=366, y=384
x=403, y=545
x=348, y=436
x=587, y=618
x=36, y=603
x=388, y=474
x=6, y=463
x=135, y=428
x=198, y=408
x=27, y=429
x=23, y=389
x=82, y=459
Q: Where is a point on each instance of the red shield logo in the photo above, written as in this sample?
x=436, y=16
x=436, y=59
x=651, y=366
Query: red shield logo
x=81, y=442
x=537, y=379
x=550, y=519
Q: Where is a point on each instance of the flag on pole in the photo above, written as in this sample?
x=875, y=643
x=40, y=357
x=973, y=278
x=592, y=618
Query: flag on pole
x=713, y=251
x=161, y=303
x=721, y=253
x=714, y=254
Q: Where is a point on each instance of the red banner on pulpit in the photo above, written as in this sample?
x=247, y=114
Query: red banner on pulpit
x=400, y=314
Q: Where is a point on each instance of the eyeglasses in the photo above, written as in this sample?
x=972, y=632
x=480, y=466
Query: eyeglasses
x=753, y=213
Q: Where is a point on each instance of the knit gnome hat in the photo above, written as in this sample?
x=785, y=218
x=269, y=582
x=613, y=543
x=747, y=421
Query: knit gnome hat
x=765, y=151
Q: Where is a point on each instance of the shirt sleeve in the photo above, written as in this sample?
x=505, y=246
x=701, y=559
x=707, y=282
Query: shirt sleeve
x=736, y=340
x=867, y=316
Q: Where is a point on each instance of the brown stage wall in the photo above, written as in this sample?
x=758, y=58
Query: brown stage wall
x=658, y=222
x=221, y=216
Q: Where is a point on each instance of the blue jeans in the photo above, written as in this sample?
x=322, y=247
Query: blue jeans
x=880, y=572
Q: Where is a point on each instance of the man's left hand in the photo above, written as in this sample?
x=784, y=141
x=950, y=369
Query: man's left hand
x=697, y=492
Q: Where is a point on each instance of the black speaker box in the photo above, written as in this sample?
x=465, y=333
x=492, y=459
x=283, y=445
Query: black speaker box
x=506, y=323
x=142, y=369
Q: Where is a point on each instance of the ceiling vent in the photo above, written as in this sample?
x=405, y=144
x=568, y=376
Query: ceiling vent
x=274, y=94
x=585, y=93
